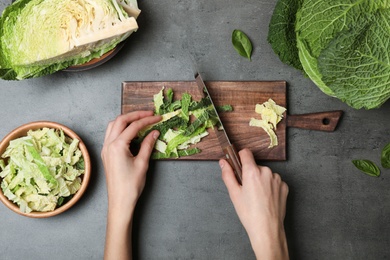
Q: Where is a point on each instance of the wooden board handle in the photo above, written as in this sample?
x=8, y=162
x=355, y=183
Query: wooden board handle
x=322, y=121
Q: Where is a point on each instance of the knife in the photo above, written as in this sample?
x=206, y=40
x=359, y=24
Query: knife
x=228, y=148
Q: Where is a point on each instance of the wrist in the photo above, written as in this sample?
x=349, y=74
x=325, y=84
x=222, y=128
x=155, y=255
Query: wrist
x=121, y=205
x=271, y=243
x=119, y=215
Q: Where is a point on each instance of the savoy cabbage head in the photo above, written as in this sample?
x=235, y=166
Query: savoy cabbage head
x=342, y=45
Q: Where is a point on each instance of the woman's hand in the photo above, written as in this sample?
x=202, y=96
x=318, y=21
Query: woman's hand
x=260, y=204
x=125, y=177
x=125, y=173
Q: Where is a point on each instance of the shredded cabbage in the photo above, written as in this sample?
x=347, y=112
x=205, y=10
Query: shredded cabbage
x=41, y=170
x=271, y=115
x=179, y=134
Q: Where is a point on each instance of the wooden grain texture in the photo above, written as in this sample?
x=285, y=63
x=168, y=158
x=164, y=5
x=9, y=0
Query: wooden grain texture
x=242, y=95
x=320, y=121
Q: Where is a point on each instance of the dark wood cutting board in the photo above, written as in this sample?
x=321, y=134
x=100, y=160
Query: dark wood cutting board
x=243, y=96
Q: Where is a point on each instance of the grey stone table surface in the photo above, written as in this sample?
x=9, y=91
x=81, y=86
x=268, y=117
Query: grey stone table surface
x=333, y=212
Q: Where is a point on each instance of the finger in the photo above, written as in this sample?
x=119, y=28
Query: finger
x=284, y=190
x=228, y=177
x=122, y=121
x=147, y=146
x=246, y=157
x=267, y=170
x=132, y=130
x=250, y=169
x=106, y=138
x=108, y=131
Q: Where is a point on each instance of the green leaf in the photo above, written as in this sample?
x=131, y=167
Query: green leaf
x=41, y=165
x=180, y=153
x=358, y=75
x=185, y=103
x=197, y=123
x=242, y=44
x=181, y=138
x=281, y=32
x=385, y=157
x=368, y=167
x=343, y=47
x=204, y=102
x=163, y=127
x=188, y=152
x=314, y=36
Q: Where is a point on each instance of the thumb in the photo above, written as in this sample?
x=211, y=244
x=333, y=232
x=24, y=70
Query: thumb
x=228, y=177
x=147, y=145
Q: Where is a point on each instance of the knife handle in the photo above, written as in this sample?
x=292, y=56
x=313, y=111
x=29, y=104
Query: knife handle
x=234, y=161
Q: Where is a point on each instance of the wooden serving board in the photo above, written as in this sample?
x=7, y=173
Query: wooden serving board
x=242, y=95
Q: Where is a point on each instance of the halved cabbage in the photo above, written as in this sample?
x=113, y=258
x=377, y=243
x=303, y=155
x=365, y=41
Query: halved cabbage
x=39, y=37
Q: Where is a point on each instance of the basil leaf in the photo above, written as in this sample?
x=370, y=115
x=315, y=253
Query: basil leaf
x=242, y=44
x=385, y=156
x=368, y=167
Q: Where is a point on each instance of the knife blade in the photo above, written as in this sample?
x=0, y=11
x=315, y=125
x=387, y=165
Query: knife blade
x=228, y=148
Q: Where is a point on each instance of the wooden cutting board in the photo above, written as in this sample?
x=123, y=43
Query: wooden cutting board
x=243, y=96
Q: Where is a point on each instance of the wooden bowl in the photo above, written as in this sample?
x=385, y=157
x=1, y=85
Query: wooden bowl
x=22, y=131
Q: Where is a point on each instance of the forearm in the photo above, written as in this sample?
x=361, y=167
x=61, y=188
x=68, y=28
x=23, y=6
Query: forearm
x=118, y=237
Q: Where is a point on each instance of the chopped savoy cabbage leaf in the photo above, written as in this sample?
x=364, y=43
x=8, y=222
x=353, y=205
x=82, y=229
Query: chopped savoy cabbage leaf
x=184, y=123
x=41, y=170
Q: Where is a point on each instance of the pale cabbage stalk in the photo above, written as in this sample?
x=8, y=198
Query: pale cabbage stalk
x=131, y=7
x=271, y=115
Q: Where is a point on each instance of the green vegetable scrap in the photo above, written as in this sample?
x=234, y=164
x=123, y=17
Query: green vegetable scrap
x=41, y=170
x=341, y=45
x=40, y=37
x=242, y=44
x=367, y=167
x=224, y=108
x=184, y=123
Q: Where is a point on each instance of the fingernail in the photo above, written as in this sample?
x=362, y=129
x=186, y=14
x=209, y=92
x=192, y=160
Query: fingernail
x=221, y=164
x=155, y=135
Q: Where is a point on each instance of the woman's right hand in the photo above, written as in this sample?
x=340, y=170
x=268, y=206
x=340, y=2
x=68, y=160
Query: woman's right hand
x=260, y=204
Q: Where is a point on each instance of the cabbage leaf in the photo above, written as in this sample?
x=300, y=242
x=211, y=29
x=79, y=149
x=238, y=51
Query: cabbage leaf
x=360, y=75
x=281, y=34
x=341, y=45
